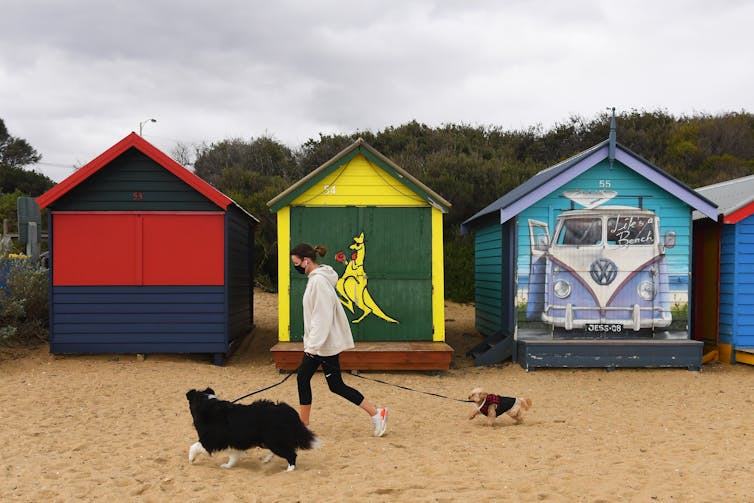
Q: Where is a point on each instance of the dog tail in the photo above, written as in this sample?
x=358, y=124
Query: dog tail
x=303, y=437
x=315, y=444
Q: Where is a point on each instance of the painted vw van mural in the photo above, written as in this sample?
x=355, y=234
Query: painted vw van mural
x=601, y=271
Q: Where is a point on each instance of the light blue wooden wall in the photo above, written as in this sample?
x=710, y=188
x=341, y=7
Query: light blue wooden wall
x=737, y=284
x=488, y=276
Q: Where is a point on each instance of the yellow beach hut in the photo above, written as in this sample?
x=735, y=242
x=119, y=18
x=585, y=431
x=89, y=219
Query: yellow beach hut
x=383, y=231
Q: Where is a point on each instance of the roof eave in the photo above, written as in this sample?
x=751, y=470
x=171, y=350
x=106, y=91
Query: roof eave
x=551, y=180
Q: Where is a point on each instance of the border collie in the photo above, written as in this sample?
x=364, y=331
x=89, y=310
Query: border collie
x=222, y=425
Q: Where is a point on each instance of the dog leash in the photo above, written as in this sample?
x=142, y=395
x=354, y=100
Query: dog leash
x=268, y=387
x=360, y=377
x=411, y=389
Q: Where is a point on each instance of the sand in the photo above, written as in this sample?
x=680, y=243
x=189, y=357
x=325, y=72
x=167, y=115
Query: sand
x=106, y=427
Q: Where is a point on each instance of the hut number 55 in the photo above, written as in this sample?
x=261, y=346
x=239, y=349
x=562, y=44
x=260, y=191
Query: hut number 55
x=604, y=184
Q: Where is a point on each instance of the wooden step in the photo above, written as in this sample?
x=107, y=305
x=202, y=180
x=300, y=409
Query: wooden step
x=409, y=355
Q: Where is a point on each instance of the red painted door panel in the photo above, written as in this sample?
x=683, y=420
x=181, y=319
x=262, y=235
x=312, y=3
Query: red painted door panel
x=96, y=249
x=183, y=249
x=138, y=249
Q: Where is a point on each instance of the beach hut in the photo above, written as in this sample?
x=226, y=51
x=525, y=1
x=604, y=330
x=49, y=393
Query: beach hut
x=383, y=231
x=724, y=290
x=146, y=257
x=587, y=264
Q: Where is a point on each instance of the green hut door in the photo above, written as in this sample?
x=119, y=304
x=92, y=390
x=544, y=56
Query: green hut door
x=383, y=257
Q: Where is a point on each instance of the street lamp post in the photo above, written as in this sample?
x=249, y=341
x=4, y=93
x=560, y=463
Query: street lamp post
x=141, y=125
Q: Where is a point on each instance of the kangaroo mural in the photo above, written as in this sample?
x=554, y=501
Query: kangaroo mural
x=352, y=285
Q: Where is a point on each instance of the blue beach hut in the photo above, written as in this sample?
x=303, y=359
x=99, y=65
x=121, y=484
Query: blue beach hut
x=587, y=264
x=725, y=258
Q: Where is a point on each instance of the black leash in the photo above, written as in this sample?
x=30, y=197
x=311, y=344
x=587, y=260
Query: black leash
x=360, y=377
x=268, y=387
x=411, y=389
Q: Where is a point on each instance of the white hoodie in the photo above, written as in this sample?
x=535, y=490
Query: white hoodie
x=327, y=331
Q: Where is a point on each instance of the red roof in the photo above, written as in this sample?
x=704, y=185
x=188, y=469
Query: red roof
x=133, y=141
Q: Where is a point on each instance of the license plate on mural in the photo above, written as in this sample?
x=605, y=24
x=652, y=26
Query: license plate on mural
x=603, y=327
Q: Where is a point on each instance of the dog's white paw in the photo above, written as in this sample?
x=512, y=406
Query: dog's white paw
x=290, y=468
x=195, y=449
x=233, y=457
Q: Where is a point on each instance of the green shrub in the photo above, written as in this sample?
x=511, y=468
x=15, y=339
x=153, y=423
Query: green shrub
x=24, y=314
x=459, y=267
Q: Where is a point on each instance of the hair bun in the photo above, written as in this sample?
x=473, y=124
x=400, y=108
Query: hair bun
x=321, y=250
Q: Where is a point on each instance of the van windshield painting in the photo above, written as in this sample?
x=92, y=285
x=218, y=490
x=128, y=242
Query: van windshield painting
x=581, y=231
x=631, y=230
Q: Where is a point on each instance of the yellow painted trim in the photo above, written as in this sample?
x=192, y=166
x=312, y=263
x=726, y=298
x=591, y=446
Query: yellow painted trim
x=438, y=278
x=359, y=183
x=744, y=357
x=710, y=356
x=284, y=274
x=726, y=353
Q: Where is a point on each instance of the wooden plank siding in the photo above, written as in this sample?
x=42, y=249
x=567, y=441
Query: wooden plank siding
x=488, y=278
x=138, y=319
x=745, y=290
x=239, y=277
x=374, y=355
x=728, y=254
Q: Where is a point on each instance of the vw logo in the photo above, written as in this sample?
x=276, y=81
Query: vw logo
x=603, y=271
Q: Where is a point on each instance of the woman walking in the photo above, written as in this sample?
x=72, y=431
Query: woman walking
x=327, y=333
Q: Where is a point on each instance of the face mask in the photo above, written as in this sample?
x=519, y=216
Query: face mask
x=300, y=268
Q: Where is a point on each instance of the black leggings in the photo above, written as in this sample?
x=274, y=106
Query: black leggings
x=331, y=368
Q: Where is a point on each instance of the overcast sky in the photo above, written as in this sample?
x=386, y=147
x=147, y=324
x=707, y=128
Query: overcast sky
x=77, y=76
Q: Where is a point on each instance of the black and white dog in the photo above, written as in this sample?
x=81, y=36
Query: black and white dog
x=223, y=425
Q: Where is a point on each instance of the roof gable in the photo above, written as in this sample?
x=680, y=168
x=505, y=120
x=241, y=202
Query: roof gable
x=359, y=183
x=137, y=142
x=554, y=177
x=340, y=160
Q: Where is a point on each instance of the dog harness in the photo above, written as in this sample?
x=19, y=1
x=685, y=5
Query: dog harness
x=502, y=404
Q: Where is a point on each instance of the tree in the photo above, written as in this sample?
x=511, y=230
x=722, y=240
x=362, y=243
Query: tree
x=184, y=154
x=15, y=152
x=472, y=166
x=263, y=155
x=14, y=180
x=30, y=183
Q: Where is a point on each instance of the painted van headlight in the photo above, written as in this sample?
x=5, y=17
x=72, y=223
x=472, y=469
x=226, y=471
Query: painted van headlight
x=562, y=288
x=647, y=290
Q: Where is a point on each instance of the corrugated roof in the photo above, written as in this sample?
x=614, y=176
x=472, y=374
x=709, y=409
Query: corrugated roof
x=729, y=196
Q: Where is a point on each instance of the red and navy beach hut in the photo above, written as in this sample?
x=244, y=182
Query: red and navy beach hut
x=724, y=266
x=146, y=257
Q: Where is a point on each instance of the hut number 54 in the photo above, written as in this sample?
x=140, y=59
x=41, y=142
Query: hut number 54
x=604, y=184
x=329, y=190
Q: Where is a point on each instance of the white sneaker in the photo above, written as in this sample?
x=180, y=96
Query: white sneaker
x=379, y=421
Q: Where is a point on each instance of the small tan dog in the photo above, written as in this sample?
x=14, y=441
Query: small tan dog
x=492, y=406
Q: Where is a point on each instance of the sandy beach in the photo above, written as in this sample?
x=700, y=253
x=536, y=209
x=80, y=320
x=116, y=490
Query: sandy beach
x=117, y=427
